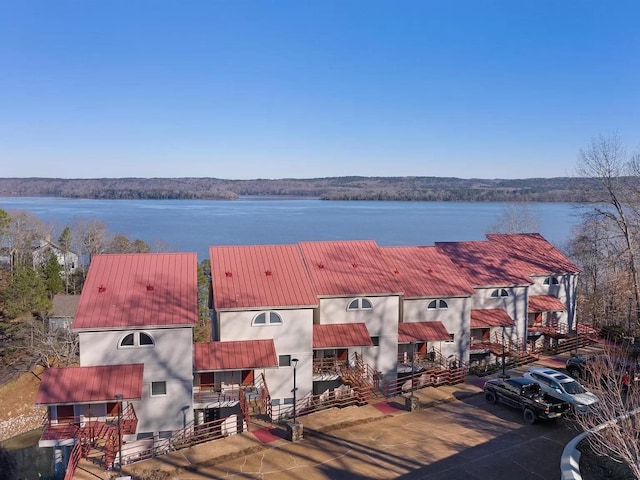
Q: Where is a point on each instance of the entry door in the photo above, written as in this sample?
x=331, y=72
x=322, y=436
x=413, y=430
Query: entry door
x=343, y=354
x=65, y=414
x=247, y=377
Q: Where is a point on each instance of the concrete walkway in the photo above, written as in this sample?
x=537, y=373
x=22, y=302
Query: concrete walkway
x=383, y=418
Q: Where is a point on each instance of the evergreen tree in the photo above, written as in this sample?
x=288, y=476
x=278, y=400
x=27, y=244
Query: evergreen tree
x=52, y=275
x=26, y=293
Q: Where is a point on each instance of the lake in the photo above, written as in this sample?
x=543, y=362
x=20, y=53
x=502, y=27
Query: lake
x=194, y=225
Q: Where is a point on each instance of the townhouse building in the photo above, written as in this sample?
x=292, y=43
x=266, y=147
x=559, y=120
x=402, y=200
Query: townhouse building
x=308, y=311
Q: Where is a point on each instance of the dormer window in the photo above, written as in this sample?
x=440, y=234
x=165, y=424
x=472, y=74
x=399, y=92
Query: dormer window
x=267, y=318
x=499, y=292
x=360, y=304
x=550, y=281
x=136, y=339
x=437, y=305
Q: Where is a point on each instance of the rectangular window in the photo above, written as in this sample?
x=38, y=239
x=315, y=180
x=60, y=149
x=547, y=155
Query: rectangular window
x=158, y=389
x=284, y=360
x=275, y=401
x=288, y=401
x=451, y=338
x=375, y=341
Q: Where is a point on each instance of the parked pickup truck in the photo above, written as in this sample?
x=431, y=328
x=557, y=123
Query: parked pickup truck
x=525, y=394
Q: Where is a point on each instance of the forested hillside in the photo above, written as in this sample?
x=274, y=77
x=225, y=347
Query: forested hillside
x=561, y=189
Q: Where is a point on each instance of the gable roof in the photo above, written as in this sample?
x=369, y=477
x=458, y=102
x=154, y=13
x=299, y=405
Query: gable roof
x=486, y=263
x=341, y=335
x=545, y=303
x=235, y=355
x=426, y=272
x=536, y=255
x=422, y=332
x=259, y=276
x=491, y=317
x=90, y=384
x=64, y=305
x=349, y=268
x=139, y=290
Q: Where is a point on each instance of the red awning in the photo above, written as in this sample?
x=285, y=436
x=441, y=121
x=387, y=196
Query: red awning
x=545, y=303
x=90, y=384
x=341, y=335
x=491, y=317
x=422, y=332
x=236, y=355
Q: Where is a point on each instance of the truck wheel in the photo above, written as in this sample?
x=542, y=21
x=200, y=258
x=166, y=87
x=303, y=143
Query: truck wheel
x=529, y=416
x=490, y=397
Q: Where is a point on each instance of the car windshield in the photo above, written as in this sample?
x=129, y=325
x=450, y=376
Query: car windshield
x=573, y=388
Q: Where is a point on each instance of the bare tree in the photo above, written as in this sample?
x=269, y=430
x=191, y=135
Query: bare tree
x=58, y=347
x=517, y=217
x=23, y=232
x=611, y=378
x=605, y=159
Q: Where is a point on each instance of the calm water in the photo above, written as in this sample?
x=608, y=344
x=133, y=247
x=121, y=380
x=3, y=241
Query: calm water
x=194, y=225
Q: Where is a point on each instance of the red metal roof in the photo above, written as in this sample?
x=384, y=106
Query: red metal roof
x=536, y=255
x=487, y=264
x=90, y=384
x=545, y=303
x=236, y=355
x=260, y=276
x=341, y=335
x=426, y=272
x=349, y=268
x=139, y=290
x=422, y=332
x=491, y=317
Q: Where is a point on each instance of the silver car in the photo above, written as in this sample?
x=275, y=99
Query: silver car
x=562, y=386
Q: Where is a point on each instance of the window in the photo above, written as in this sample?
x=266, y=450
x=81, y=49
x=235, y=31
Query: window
x=452, y=338
x=136, y=339
x=284, y=360
x=550, y=281
x=437, y=305
x=158, y=389
x=499, y=292
x=288, y=401
x=360, y=304
x=375, y=341
x=267, y=318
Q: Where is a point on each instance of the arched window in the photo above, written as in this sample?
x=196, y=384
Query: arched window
x=437, y=305
x=127, y=341
x=136, y=339
x=499, y=292
x=267, y=318
x=360, y=304
x=550, y=281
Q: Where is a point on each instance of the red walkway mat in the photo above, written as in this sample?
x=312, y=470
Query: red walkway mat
x=265, y=435
x=386, y=407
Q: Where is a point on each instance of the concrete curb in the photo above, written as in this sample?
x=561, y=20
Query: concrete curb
x=570, y=461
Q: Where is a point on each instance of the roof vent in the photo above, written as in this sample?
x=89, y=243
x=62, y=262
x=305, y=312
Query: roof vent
x=429, y=270
x=354, y=265
x=149, y=287
x=320, y=265
x=228, y=274
x=102, y=289
x=396, y=271
x=267, y=273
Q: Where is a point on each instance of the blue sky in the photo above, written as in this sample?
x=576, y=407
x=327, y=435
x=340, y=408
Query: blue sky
x=274, y=89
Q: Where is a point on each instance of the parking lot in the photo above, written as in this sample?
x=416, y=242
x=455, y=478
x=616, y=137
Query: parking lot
x=455, y=434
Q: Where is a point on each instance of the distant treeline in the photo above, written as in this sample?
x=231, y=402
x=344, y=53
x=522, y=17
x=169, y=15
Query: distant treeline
x=559, y=189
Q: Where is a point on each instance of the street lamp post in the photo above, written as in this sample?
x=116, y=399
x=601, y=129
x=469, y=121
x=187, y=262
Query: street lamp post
x=119, y=397
x=504, y=356
x=412, y=345
x=294, y=361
